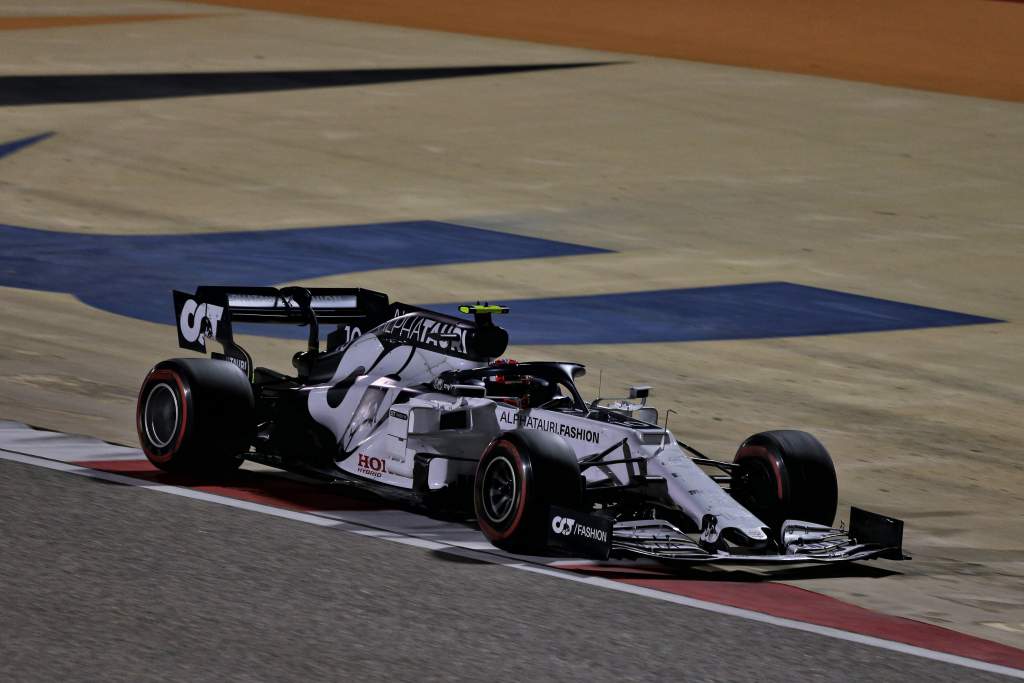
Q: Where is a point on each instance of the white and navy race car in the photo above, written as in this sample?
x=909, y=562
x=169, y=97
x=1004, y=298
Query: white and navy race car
x=417, y=406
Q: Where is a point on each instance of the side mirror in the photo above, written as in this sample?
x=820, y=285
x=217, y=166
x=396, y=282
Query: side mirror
x=640, y=391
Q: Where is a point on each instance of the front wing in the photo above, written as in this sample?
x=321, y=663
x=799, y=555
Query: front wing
x=870, y=536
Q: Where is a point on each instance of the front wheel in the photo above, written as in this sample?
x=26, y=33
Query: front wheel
x=785, y=474
x=519, y=476
x=195, y=416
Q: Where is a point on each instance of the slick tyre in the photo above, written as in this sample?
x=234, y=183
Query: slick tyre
x=785, y=474
x=520, y=475
x=195, y=416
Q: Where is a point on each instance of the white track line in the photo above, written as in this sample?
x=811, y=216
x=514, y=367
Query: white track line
x=376, y=533
x=595, y=581
x=485, y=546
x=826, y=631
x=420, y=543
x=71, y=468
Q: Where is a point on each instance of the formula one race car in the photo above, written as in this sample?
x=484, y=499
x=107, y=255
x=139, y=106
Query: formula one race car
x=414, y=405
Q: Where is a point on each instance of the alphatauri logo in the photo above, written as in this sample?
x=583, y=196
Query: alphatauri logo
x=567, y=526
x=563, y=525
x=198, y=321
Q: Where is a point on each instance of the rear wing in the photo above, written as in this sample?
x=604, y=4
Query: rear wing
x=211, y=312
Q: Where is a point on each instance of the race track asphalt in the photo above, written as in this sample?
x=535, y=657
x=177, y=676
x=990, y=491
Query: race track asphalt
x=100, y=581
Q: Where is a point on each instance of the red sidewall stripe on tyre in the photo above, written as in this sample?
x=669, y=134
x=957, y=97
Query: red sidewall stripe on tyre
x=489, y=531
x=156, y=376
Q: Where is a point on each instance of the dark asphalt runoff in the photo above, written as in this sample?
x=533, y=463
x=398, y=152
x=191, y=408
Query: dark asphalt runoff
x=102, y=581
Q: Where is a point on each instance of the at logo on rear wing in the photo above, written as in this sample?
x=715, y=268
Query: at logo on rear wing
x=198, y=321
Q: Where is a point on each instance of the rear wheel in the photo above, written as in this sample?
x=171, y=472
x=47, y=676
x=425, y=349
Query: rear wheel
x=519, y=476
x=195, y=416
x=786, y=474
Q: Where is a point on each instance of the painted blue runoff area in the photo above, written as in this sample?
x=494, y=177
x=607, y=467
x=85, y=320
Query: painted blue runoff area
x=133, y=276
x=16, y=145
x=749, y=311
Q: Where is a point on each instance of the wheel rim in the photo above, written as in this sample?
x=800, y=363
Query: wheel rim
x=756, y=488
x=161, y=415
x=499, y=489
